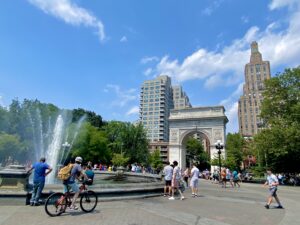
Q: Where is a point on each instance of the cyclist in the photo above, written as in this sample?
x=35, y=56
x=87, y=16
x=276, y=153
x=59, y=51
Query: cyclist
x=70, y=183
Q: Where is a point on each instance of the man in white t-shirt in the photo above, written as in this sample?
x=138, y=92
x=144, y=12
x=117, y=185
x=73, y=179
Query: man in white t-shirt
x=272, y=181
x=168, y=172
x=133, y=168
x=194, y=180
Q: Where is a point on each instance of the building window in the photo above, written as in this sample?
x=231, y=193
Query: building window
x=257, y=68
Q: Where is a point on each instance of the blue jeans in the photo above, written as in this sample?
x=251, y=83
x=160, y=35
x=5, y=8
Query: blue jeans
x=37, y=191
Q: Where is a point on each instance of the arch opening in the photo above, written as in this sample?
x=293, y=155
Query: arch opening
x=190, y=157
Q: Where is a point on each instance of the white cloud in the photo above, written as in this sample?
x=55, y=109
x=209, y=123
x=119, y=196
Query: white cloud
x=236, y=94
x=225, y=67
x=276, y=4
x=232, y=115
x=231, y=106
x=1, y=101
x=245, y=19
x=133, y=111
x=212, y=7
x=148, y=71
x=281, y=46
x=148, y=59
x=123, y=97
x=123, y=39
x=71, y=13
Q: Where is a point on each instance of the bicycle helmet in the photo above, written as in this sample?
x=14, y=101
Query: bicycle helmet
x=78, y=159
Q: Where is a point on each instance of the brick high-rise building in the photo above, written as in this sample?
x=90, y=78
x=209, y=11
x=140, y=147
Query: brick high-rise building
x=256, y=72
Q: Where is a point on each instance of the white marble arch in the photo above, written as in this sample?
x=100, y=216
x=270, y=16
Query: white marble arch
x=210, y=122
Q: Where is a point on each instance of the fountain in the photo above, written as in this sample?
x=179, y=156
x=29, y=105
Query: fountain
x=48, y=137
x=53, y=151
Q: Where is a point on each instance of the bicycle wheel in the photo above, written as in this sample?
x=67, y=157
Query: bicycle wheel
x=88, y=201
x=55, y=204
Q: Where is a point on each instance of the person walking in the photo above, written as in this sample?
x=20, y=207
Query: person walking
x=273, y=183
x=229, y=177
x=236, y=179
x=194, y=180
x=215, y=179
x=186, y=175
x=223, y=178
x=176, y=177
x=41, y=170
x=168, y=172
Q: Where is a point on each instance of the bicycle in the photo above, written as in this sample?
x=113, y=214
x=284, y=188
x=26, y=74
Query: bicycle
x=57, y=203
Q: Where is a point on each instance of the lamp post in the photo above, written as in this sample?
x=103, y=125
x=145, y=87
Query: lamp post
x=219, y=145
x=65, y=145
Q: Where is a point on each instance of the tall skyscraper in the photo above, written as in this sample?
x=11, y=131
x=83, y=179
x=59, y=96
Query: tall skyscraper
x=180, y=99
x=155, y=105
x=256, y=72
x=158, y=97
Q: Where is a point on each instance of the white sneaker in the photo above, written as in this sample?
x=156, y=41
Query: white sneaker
x=73, y=208
x=182, y=198
x=171, y=198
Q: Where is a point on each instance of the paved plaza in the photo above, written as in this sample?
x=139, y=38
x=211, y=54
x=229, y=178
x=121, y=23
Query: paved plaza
x=239, y=206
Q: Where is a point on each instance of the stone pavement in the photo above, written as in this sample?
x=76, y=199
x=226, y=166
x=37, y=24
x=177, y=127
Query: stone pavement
x=238, y=206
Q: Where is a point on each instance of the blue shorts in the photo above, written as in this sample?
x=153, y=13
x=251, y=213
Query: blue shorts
x=72, y=186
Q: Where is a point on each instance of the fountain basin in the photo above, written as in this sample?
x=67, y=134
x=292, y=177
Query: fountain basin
x=14, y=177
x=134, y=185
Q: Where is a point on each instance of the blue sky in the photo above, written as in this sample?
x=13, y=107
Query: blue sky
x=96, y=54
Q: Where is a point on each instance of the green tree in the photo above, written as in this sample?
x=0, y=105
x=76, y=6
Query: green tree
x=10, y=145
x=277, y=145
x=91, y=144
x=14, y=116
x=215, y=160
x=155, y=160
x=234, y=150
x=94, y=119
x=114, y=131
x=195, y=152
x=129, y=139
x=119, y=159
x=4, y=119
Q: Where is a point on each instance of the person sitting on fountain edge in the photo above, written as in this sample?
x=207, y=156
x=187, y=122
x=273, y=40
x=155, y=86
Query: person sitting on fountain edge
x=90, y=174
x=40, y=173
x=70, y=184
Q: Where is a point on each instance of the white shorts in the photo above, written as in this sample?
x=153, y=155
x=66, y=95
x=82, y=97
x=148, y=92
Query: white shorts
x=194, y=182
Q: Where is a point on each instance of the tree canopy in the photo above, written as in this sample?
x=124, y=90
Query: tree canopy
x=195, y=153
x=234, y=150
x=277, y=145
x=24, y=124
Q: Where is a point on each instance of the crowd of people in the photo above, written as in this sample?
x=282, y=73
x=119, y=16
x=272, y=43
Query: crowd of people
x=134, y=167
x=176, y=180
x=288, y=179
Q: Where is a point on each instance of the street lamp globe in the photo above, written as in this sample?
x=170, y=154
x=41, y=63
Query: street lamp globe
x=66, y=145
x=219, y=145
